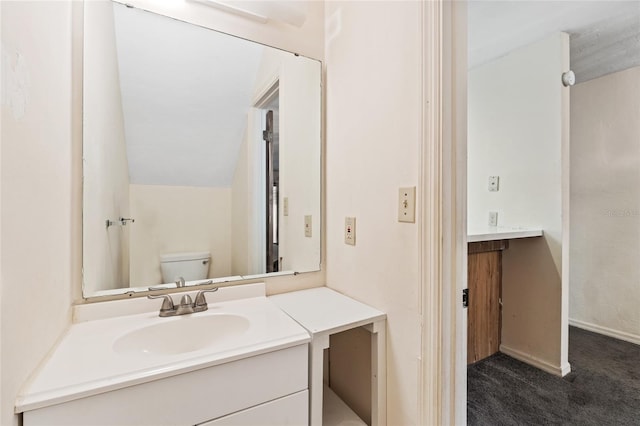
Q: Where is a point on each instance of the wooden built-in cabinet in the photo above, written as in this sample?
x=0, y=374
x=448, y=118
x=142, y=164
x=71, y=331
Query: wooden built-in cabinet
x=485, y=288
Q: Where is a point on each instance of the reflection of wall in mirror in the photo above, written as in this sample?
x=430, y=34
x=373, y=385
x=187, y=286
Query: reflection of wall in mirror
x=300, y=163
x=177, y=219
x=106, y=251
x=240, y=205
x=300, y=131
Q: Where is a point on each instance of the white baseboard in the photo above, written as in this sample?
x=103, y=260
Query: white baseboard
x=616, y=334
x=536, y=362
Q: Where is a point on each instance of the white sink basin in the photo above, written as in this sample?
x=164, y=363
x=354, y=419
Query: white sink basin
x=125, y=343
x=181, y=334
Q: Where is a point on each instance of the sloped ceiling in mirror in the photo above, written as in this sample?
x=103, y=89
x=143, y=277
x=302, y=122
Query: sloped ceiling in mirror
x=605, y=35
x=182, y=126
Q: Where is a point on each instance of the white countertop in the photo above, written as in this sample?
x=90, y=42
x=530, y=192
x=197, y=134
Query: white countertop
x=84, y=363
x=492, y=233
x=322, y=310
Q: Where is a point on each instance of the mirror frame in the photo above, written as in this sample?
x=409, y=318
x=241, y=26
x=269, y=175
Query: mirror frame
x=136, y=292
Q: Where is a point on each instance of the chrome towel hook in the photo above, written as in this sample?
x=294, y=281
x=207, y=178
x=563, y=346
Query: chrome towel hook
x=121, y=221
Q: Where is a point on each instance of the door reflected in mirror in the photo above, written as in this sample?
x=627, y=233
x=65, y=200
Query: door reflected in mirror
x=201, y=154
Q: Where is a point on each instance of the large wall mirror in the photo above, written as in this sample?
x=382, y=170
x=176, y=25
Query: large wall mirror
x=201, y=154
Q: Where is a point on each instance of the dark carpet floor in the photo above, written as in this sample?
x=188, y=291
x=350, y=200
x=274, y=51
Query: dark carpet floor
x=603, y=387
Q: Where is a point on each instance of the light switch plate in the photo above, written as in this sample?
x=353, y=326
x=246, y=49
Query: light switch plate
x=493, y=218
x=307, y=226
x=285, y=206
x=494, y=183
x=407, y=204
x=350, y=231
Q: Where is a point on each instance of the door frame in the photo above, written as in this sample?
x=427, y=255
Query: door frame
x=268, y=131
x=443, y=239
x=265, y=95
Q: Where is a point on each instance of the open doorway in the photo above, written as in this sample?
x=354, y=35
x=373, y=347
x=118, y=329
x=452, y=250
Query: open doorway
x=266, y=181
x=537, y=323
x=271, y=138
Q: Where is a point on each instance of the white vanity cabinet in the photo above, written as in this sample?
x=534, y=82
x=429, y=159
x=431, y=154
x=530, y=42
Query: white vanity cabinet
x=121, y=364
x=267, y=389
x=292, y=410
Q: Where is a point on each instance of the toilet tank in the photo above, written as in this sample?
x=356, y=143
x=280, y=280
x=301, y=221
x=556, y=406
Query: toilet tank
x=190, y=266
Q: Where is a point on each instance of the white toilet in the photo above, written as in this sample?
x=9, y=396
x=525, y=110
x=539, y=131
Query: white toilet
x=190, y=266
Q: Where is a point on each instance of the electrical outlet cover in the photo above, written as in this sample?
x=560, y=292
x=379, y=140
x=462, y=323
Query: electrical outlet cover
x=350, y=231
x=494, y=183
x=493, y=218
x=307, y=226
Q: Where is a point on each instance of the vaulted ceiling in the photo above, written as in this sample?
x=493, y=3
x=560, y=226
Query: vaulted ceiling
x=605, y=35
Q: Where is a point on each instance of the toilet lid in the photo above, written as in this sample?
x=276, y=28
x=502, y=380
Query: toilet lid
x=180, y=257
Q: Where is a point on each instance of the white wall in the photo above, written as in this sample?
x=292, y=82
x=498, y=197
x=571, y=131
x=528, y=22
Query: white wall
x=3, y=102
x=177, y=219
x=106, y=169
x=605, y=205
x=240, y=205
x=373, y=124
x=35, y=192
x=305, y=40
x=299, y=154
x=300, y=130
x=516, y=118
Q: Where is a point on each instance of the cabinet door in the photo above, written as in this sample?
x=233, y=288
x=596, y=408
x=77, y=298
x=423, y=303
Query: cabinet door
x=292, y=410
x=484, y=280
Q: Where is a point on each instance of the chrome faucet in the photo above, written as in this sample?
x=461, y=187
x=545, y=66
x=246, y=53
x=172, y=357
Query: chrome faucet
x=180, y=282
x=186, y=305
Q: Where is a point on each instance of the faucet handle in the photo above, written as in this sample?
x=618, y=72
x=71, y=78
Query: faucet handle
x=167, y=304
x=186, y=300
x=201, y=300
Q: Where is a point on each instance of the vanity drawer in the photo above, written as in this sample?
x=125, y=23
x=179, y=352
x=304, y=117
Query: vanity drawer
x=189, y=398
x=292, y=410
